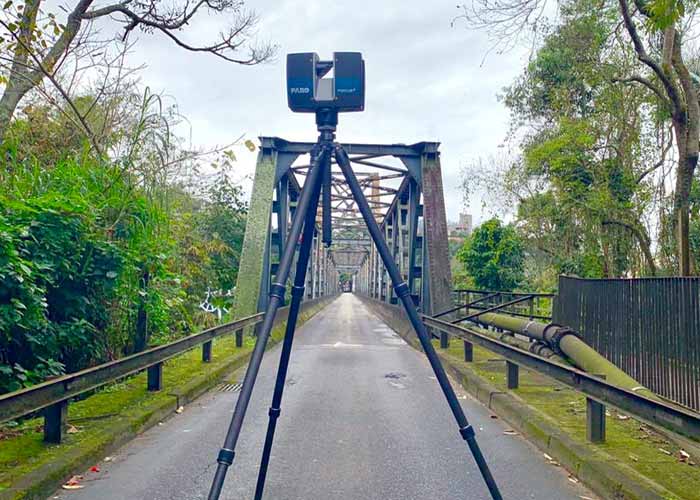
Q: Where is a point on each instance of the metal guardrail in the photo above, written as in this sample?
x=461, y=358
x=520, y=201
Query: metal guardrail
x=674, y=418
x=24, y=401
x=53, y=395
x=539, y=305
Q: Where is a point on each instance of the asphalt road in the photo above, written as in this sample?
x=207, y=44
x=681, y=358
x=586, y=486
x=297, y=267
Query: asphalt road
x=362, y=418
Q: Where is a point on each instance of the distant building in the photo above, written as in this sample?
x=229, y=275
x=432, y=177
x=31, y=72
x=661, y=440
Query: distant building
x=463, y=227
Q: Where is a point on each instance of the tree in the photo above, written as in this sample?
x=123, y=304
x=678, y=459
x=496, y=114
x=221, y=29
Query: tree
x=671, y=82
x=493, y=256
x=645, y=45
x=37, y=44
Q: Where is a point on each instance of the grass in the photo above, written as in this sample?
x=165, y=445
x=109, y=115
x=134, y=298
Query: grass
x=98, y=417
x=23, y=449
x=629, y=441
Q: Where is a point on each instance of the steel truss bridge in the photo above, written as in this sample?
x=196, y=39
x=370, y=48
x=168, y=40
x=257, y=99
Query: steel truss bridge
x=402, y=183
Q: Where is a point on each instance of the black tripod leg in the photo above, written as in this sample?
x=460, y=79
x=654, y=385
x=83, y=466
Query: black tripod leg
x=403, y=293
x=308, y=193
x=297, y=298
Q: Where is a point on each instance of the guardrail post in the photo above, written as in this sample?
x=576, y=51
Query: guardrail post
x=468, y=352
x=239, y=337
x=155, y=377
x=55, y=421
x=206, y=352
x=595, y=419
x=512, y=375
x=444, y=340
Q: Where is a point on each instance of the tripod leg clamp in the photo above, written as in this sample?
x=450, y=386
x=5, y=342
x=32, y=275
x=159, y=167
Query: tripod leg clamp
x=402, y=289
x=277, y=290
x=298, y=291
x=274, y=412
x=467, y=433
x=225, y=456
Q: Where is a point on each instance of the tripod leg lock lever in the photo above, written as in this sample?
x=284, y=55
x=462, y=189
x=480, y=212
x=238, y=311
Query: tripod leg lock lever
x=225, y=456
x=298, y=291
x=467, y=432
x=402, y=289
x=274, y=412
x=277, y=290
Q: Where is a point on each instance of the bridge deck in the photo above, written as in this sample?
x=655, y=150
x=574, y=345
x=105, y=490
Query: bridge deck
x=362, y=418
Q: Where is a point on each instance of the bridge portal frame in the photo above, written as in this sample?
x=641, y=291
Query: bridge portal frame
x=414, y=224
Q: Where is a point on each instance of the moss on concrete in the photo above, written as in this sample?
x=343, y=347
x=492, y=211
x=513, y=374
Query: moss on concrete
x=628, y=441
x=30, y=468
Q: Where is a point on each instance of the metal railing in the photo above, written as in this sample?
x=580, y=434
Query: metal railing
x=533, y=305
x=53, y=395
x=654, y=412
x=598, y=392
x=649, y=327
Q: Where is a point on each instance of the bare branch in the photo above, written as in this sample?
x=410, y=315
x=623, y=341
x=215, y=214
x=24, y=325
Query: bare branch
x=48, y=74
x=667, y=147
x=648, y=84
x=643, y=56
x=170, y=22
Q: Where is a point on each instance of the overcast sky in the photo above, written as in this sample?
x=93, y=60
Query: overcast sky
x=425, y=80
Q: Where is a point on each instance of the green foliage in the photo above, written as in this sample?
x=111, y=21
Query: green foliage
x=663, y=13
x=493, y=256
x=95, y=265
x=579, y=187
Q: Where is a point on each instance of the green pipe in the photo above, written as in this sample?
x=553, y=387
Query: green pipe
x=564, y=340
x=541, y=349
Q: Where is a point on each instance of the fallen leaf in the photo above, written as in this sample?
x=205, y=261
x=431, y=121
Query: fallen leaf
x=73, y=483
x=180, y=409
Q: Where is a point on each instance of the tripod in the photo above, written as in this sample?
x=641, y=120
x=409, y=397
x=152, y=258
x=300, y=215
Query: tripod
x=317, y=186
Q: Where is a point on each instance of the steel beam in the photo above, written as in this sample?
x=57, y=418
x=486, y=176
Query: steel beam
x=251, y=272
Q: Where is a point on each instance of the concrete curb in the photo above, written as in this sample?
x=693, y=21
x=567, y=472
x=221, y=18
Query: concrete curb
x=44, y=480
x=595, y=468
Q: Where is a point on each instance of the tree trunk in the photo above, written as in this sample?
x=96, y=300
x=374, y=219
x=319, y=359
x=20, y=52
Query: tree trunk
x=19, y=78
x=642, y=238
x=14, y=92
x=681, y=206
x=25, y=73
x=688, y=155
